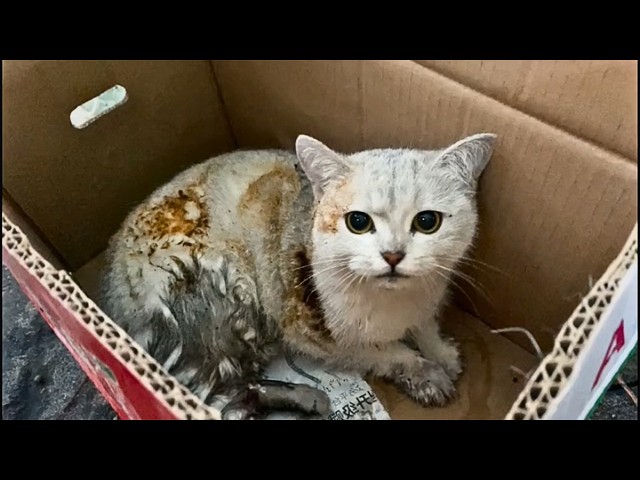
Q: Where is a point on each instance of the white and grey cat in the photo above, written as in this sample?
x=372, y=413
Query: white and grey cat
x=345, y=258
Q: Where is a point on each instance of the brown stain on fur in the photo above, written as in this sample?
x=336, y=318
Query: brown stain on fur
x=265, y=195
x=332, y=210
x=304, y=311
x=265, y=199
x=306, y=293
x=184, y=213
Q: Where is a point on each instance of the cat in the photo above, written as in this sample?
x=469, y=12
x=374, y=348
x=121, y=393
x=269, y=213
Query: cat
x=345, y=258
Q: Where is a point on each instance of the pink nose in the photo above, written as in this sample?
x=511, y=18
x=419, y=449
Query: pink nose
x=393, y=258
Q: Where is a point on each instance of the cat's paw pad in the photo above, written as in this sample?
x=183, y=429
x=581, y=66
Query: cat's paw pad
x=427, y=384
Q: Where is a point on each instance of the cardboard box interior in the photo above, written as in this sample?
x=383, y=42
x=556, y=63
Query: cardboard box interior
x=555, y=208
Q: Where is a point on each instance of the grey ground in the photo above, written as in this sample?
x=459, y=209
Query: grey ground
x=40, y=379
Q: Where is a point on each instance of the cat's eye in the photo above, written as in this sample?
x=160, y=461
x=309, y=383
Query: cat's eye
x=358, y=222
x=427, y=222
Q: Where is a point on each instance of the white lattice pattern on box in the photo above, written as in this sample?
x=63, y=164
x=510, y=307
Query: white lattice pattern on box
x=548, y=380
x=182, y=403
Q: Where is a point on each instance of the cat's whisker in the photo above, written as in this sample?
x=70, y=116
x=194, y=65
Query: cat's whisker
x=338, y=268
x=466, y=246
x=472, y=262
x=474, y=283
x=329, y=268
x=458, y=259
x=332, y=283
x=355, y=277
x=310, y=278
x=356, y=300
x=348, y=276
x=454, y=271
x=471, y=281
x=453, y=282
x=359, y=286
x=336, y=260
x=484, y=264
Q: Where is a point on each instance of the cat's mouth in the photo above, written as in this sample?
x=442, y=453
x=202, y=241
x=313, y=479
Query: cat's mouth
x=392, y=275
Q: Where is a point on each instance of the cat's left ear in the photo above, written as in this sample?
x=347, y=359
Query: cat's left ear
x=468, y=157
x=320, y=163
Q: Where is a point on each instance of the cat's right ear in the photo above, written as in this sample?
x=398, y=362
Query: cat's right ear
x=320, y=163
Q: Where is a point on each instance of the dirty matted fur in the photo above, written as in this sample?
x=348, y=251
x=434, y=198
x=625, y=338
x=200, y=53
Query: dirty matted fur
x=251, y=252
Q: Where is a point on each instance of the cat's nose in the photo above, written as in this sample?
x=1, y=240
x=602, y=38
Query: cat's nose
x=393, y=258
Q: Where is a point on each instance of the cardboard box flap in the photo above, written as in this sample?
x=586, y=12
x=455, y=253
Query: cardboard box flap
x=78, y=185
x=591, y=347
x=114, y=363
x=593, y=99
x=16, y=215
x=546, y=198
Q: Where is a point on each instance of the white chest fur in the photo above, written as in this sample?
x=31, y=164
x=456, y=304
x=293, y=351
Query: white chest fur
x=375, y=312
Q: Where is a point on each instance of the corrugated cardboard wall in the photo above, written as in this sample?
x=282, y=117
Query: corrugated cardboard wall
x=78, y=185
x=593, y=99
x=555, y=209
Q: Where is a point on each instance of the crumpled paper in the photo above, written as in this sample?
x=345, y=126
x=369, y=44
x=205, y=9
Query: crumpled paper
x=351, y=397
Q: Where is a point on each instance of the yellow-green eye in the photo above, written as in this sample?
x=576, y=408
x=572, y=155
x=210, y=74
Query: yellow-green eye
x=427, y=222
x=358, y=222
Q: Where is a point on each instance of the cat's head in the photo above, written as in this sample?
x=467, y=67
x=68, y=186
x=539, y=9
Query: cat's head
x=389, y=215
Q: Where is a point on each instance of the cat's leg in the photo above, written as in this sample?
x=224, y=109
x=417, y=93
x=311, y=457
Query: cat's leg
x=433, y=346
x=423, y=379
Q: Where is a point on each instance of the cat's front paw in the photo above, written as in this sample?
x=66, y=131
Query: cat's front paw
x=449, y=358
x=427, y=383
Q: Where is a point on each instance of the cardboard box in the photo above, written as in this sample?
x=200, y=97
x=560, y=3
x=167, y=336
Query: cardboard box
x=558, y=203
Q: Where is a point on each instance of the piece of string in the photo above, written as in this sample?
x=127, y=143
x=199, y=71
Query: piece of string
x=629, y=392
x=534, y=343
x=531, y=338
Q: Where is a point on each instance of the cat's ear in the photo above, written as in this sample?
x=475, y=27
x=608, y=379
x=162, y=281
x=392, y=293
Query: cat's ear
x=320, y=163
x=468, y=157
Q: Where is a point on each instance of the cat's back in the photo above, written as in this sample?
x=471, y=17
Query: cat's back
x=224, y=204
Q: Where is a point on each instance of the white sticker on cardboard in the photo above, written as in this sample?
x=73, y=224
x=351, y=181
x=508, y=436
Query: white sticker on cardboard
x=90, y=111
x=611, y=342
